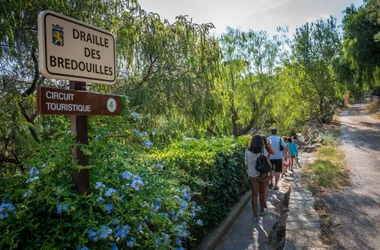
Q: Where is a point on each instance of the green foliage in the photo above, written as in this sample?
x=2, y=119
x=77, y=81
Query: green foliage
x=328, y=138
x=313, y=49
x=49, y=214
x=361, y=49
x=53, y=216
x=213, y=168
x=248, y=77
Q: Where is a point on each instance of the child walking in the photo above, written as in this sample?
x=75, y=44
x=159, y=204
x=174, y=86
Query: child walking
x=293, y=150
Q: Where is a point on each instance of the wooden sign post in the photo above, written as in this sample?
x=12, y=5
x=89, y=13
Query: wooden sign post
x=81, y=178
x=75, y=51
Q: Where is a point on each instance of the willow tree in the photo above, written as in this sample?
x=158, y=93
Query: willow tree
x=168, y=70
x=251, y=59
x=314, y=47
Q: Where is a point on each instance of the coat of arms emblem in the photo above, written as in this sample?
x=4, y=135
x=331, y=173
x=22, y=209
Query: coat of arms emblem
x=57, y=35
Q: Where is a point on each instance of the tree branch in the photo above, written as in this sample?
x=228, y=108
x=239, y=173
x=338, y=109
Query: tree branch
x=36, y=77
x=245, y=129
x=148, y=74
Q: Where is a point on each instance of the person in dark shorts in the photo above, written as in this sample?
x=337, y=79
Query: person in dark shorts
x=276, y=158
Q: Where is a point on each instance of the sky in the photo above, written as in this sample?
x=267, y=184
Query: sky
x=250, y=14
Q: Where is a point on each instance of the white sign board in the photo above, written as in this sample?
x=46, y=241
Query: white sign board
x=73, y=50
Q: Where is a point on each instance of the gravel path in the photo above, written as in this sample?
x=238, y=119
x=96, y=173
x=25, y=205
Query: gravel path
x=248, y=235
x=356, y=210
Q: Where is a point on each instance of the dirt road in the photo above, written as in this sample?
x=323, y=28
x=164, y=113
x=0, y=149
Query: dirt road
x=356, y=210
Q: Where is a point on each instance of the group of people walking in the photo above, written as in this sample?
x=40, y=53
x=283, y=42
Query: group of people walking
x=280, y=155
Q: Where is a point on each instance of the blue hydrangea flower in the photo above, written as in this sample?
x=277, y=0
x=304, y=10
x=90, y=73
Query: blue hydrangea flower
x=3, y=215
x=34, y=172
x=175, y=217
x=165, y=215
x=158, y=241
x=100, y=199
x=167, y=237
x=123, y=232
x=127, y=175
x=200, y=222
x=136, y=132
x=5, y=208
x=115, y=221
x=139, y=228
x=30, y=180
x=92, y=234
x=83, y=248
x=184, y=205
x=178, y=241
x=136, y=183
x=109, y=192
x=144, y=133
x=148, y=144
x=138, y=116
x=131, y=242
x=62, y=207
x=193, y=213
x=27, y=193
x=99, y=185
x=181, y=231
x=160, y=166
x=180, y=212
x=109, y=208
x=114, y=247
x=104, y=232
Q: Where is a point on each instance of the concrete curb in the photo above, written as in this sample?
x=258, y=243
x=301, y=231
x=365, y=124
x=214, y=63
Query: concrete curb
x=303, y=225
x=212, y=239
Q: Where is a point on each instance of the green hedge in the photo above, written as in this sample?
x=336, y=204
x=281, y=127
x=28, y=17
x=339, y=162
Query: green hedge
x=154, y=200
x=214, y=169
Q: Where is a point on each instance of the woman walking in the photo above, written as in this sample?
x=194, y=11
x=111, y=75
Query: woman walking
x=269, y=149
x=257, y=180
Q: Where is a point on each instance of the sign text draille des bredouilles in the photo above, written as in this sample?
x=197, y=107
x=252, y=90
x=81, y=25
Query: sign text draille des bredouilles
x=72, y=50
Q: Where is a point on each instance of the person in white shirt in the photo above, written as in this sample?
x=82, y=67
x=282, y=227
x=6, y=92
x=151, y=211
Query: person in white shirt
x=276, y=158
x=257, y=180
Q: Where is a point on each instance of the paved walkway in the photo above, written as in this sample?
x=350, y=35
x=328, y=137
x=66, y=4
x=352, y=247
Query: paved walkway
x=246, y=234
x=356, y=210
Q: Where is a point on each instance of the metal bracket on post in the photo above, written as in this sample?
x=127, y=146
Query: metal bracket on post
x=81, y=178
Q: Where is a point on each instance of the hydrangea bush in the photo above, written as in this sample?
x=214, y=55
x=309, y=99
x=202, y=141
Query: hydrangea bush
x=130, y=204
x=137, y=199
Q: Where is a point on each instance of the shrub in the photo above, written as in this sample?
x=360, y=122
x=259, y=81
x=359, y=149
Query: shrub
x=328, y=138
x=213, y=168
x=130, y=203
x=157, y=200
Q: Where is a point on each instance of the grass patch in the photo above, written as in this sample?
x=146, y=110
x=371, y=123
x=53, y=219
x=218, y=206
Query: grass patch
x=376, y=115
x=328, y=171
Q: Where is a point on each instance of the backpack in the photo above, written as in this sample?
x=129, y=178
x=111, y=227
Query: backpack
x=281, y=147
x=262, y=164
